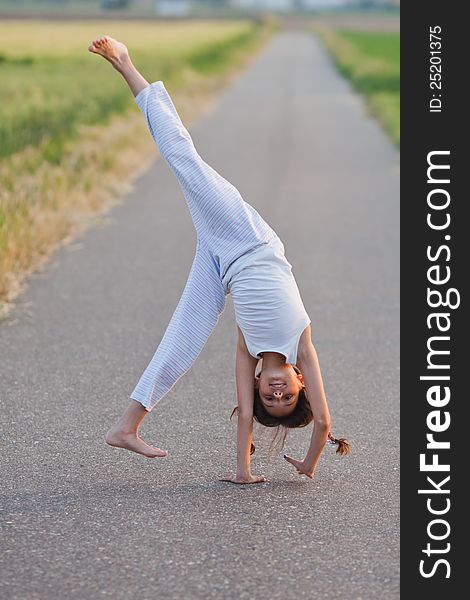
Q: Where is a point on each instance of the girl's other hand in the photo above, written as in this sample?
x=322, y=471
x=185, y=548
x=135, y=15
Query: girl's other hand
x=245, y=479
x=302, y=469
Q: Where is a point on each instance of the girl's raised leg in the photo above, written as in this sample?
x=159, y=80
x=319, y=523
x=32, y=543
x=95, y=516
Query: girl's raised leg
x=222, y=219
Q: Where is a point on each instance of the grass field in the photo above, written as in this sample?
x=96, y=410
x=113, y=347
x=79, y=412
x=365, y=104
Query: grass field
x=68, y=139
x=371, y=60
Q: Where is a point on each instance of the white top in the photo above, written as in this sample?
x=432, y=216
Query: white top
x=266, y=299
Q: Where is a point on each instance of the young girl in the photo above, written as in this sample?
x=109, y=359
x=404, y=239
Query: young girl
x=237, y=253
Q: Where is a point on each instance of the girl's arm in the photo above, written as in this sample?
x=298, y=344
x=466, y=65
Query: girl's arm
x=245, y=366
x=308, y=364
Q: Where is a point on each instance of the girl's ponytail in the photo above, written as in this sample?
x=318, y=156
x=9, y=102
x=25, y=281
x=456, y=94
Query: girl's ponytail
x=344, y=447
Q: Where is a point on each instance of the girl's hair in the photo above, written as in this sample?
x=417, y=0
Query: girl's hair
x=301, y=416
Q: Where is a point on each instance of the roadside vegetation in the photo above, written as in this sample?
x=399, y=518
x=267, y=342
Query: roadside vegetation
x=371, y=61
x=71, y=139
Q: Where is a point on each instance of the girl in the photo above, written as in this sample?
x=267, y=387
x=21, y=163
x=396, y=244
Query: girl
x=237, y=252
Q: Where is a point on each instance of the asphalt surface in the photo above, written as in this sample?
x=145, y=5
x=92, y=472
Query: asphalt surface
x=82, y=520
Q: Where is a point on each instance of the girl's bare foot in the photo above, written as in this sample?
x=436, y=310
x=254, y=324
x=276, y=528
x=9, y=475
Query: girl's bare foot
x=113, y=51
x=117, y=54
x=131, y=441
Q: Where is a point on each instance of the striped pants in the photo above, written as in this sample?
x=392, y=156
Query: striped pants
x=226, y=226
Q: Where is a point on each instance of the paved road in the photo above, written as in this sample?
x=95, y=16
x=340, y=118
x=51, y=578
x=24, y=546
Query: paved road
x=86, y=521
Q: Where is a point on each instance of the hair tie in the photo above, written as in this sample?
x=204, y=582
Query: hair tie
x=331, y=440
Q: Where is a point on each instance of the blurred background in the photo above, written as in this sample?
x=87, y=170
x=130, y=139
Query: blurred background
x=179, y=8
x=69, y=145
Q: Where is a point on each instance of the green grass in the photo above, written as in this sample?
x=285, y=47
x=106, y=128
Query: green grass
x=385, y=45
x=371, y=61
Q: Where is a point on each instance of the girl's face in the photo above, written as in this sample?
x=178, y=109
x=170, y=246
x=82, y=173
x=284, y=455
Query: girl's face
x=279, y=389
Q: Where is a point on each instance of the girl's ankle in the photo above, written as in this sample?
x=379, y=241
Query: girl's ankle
x=122, y=64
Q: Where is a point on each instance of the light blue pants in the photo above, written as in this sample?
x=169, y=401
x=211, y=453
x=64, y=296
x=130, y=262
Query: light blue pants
x=226, y=226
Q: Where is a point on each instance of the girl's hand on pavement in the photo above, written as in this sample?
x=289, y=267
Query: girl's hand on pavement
x=249, y=479
x=301, y=468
